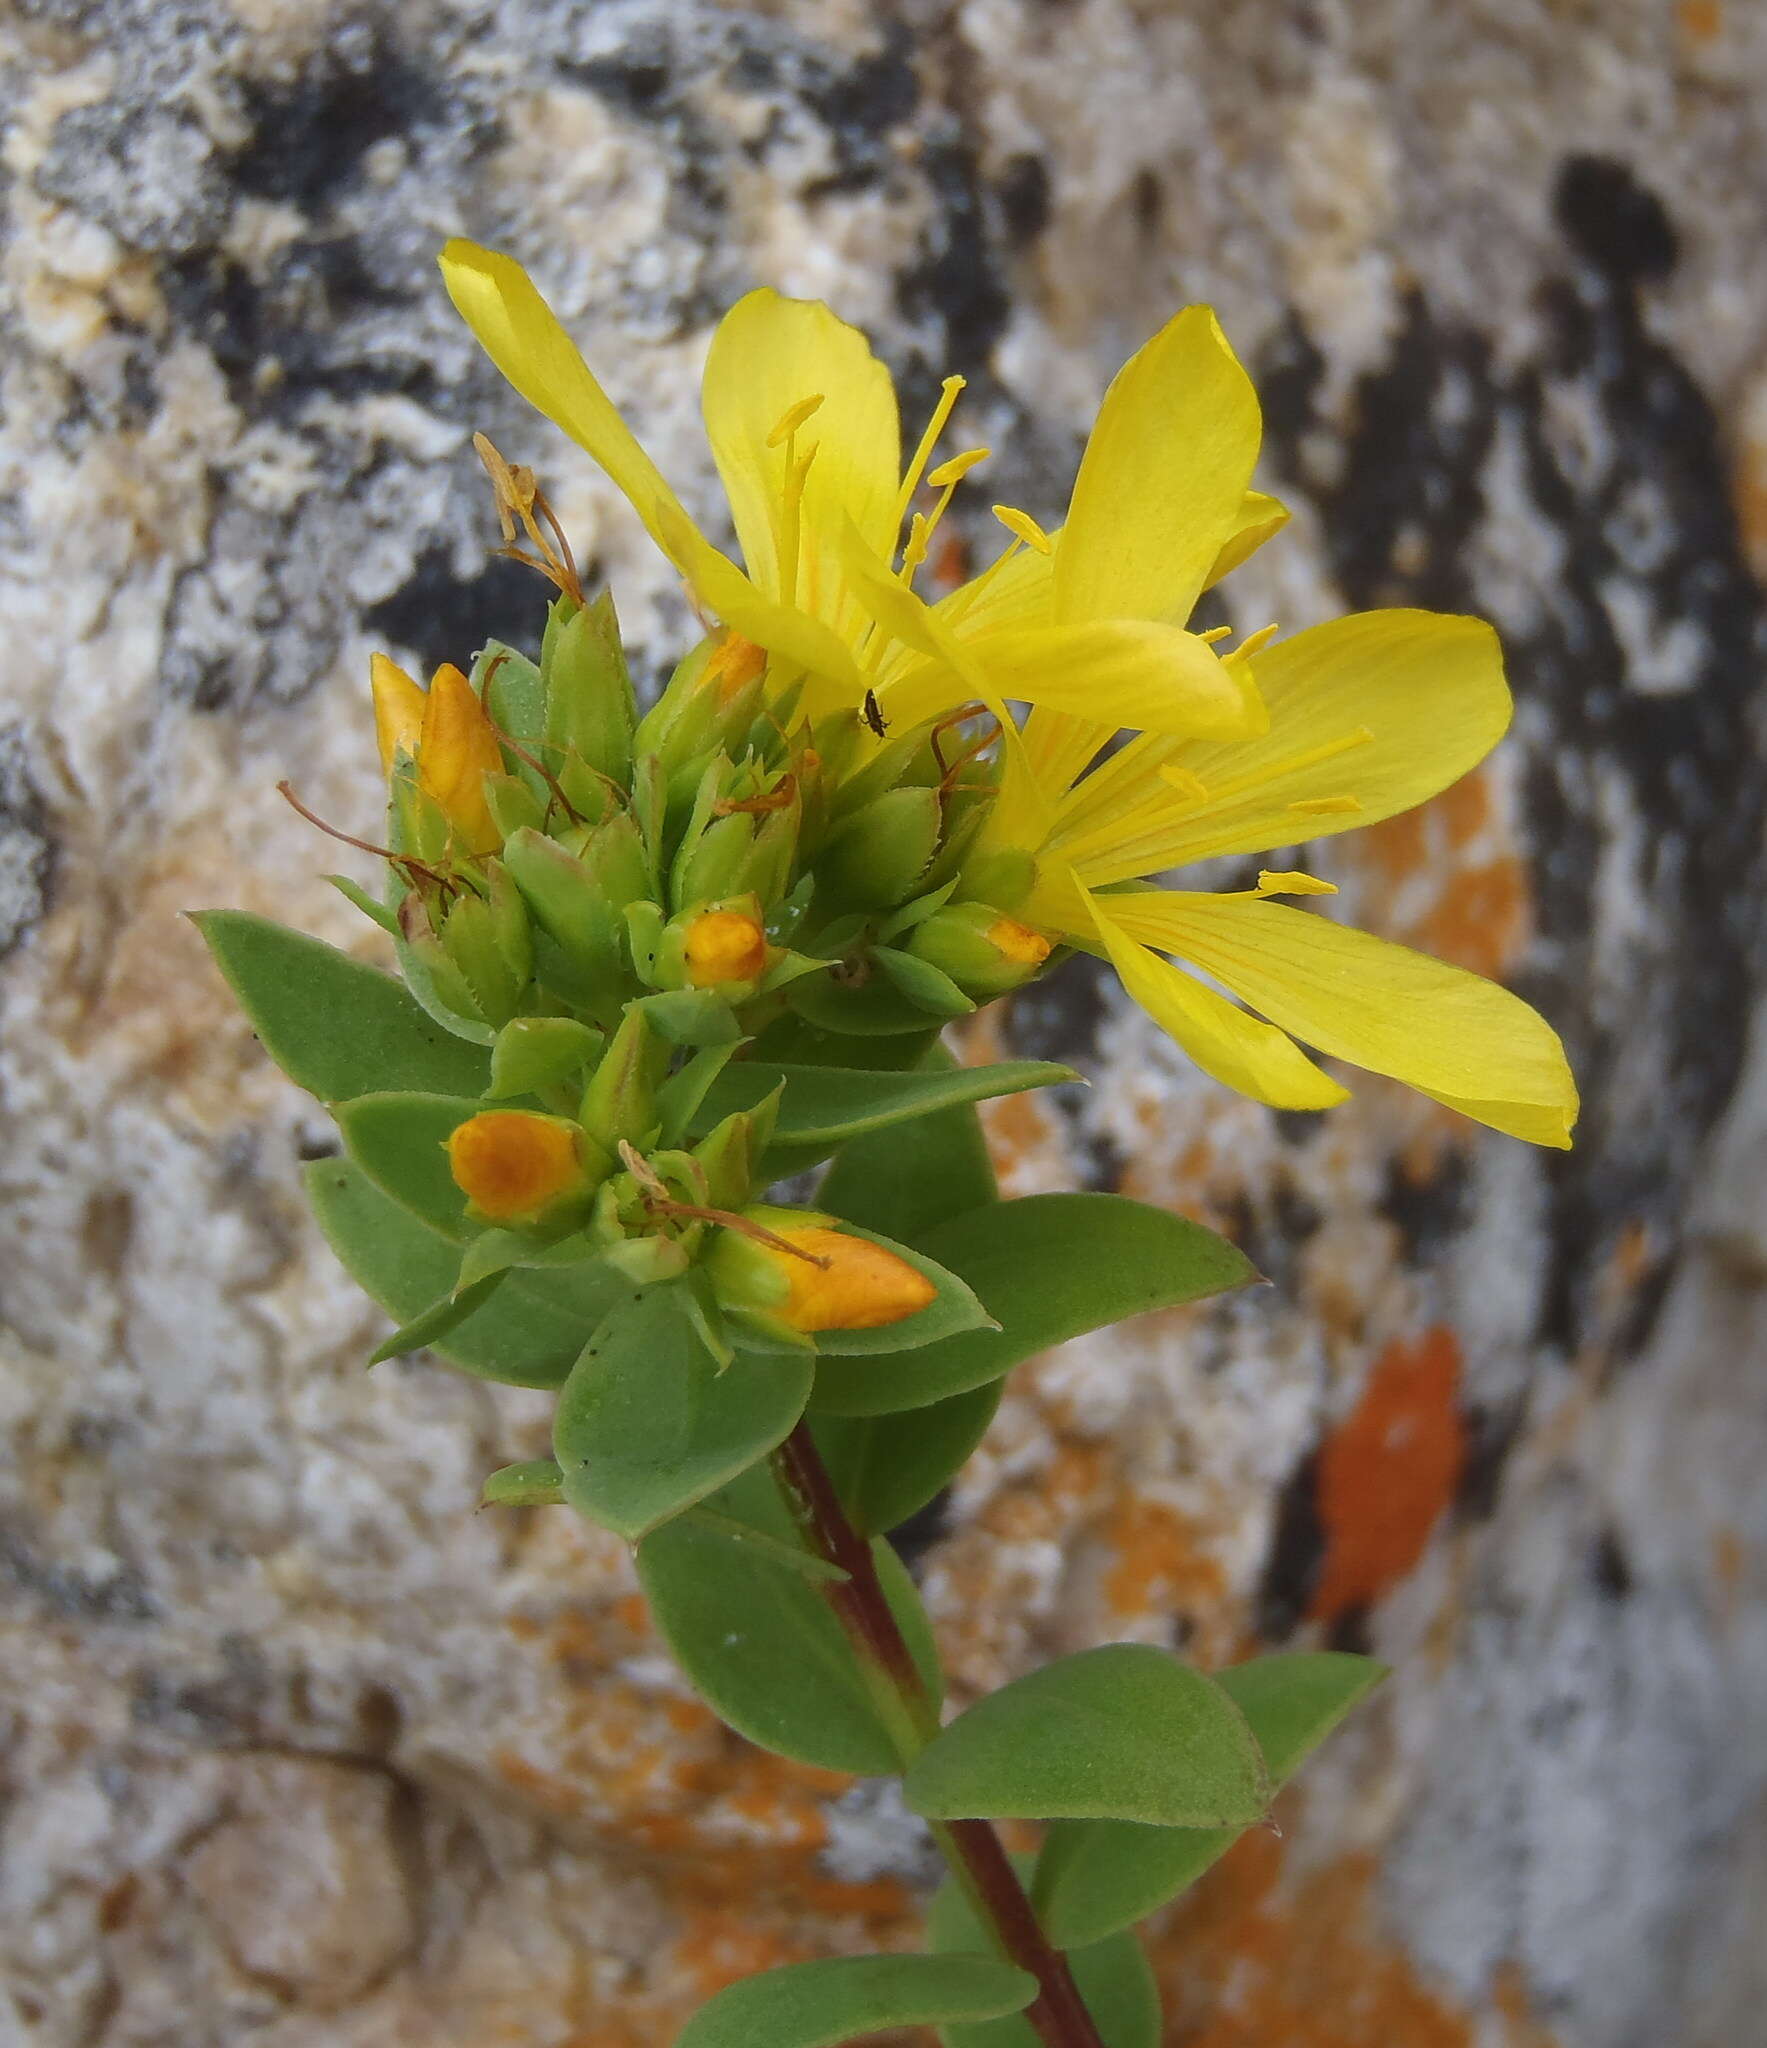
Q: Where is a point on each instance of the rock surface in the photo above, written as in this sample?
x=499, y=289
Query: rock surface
x=300, y=1750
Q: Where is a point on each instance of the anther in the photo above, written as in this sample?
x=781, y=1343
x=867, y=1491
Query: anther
x=1023, y=527
x=793, y=418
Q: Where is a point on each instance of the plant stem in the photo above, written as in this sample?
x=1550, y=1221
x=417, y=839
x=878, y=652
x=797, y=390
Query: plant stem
x=971, y=1847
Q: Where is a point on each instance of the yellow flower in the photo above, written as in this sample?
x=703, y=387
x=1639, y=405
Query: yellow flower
x=445, y=731
x=803, y=426
x=1368, y=716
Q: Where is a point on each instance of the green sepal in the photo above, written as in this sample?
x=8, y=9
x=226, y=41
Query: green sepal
x=839, y=1998
x=530, y=1336
x=536, y=1053
x=438, y=1319
x=824, y=1107
x=567, y=902
x=590, y=708
x=333, y=1025
x=1050, y=1267
x=887, y=1467
x=647, y=1424
x=1112, y=1977
x=1123, y=1732
x=370, y=906
x=620, y=1100
x=691, y=1016
x=679, y=1098
x=736, y=1621
x=874, y=1009
x=503, y=1251
x=534, y=1483
x=509, y=686
x=1096, y=1876
x=928, y=987
x=441, y=989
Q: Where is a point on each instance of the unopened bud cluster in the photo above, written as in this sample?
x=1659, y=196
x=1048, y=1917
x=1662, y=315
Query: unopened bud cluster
x=618, y=906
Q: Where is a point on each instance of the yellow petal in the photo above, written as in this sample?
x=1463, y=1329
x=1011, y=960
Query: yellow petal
x=1235, y=1049
x=1119, y=672
x=769, y=356
x=800, y=641
x=1163, y=479
x=398, y=710
x=1373, y=713
x=1453, y=1036
x=456, y=752
x=521, y=334
x=1260, y=518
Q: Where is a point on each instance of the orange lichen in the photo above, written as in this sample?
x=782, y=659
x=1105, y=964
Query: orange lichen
x=1700, y=21
x=1387, y=1473
x=1481, y=920
x=1161, y=1564
x=1244, y=1966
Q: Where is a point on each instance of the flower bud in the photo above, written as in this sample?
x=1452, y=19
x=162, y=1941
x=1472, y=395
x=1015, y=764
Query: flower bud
x=620, y=1100
x=721, y=946
x=516, y=1167
x=876, y=857
x=590, y=709
x=980, y=948
x=800, y=1271
x=448, y=735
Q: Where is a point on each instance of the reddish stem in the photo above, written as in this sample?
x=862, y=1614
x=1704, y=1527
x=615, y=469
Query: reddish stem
x=1058, y=2013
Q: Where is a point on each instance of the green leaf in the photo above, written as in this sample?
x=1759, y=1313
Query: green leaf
x=906, y=1179
x=370, y=906
x=437, y=1320
x=647, y=1424
x=760, y=1642
x=813, y=2005
x=333, y=1025
x=1123, y=1732
x=530, y=1336
x=825, y=1106
x=534, y=1052
x=1096, y=1876
x=534, y=1483
x=1049, y=1267
x=399, y=1140
x=817, y=1570
x=887, y=1467
x=1112, y=1977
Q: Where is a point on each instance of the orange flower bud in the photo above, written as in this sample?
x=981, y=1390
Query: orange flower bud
x=448, y=735
x=1018, y=943
x=724, y=945
x=516, y=1167
x=861, y=1287
x=829, y=1279
x=456, y=752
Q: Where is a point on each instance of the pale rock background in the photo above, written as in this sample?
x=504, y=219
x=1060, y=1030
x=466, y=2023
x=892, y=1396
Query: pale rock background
x=299, y=1750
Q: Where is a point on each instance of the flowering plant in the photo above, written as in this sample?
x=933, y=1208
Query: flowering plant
x=655, y=965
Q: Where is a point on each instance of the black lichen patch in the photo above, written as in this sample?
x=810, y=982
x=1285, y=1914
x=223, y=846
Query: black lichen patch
x=1023, y=192
x=277, y=341
x=27, y=852
x=1429, y=1213
x=1635, y=651
x=309, y=138
x=1490, y=1432
x=444, y=616
x=1297, y=1555
x=955, y=282
x=1610, y=1567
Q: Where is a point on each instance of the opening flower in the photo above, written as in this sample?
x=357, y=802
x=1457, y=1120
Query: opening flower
x=1368, y=716
x=803, y=425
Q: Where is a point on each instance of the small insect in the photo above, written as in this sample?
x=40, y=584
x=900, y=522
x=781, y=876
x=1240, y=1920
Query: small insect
x=873, y=714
